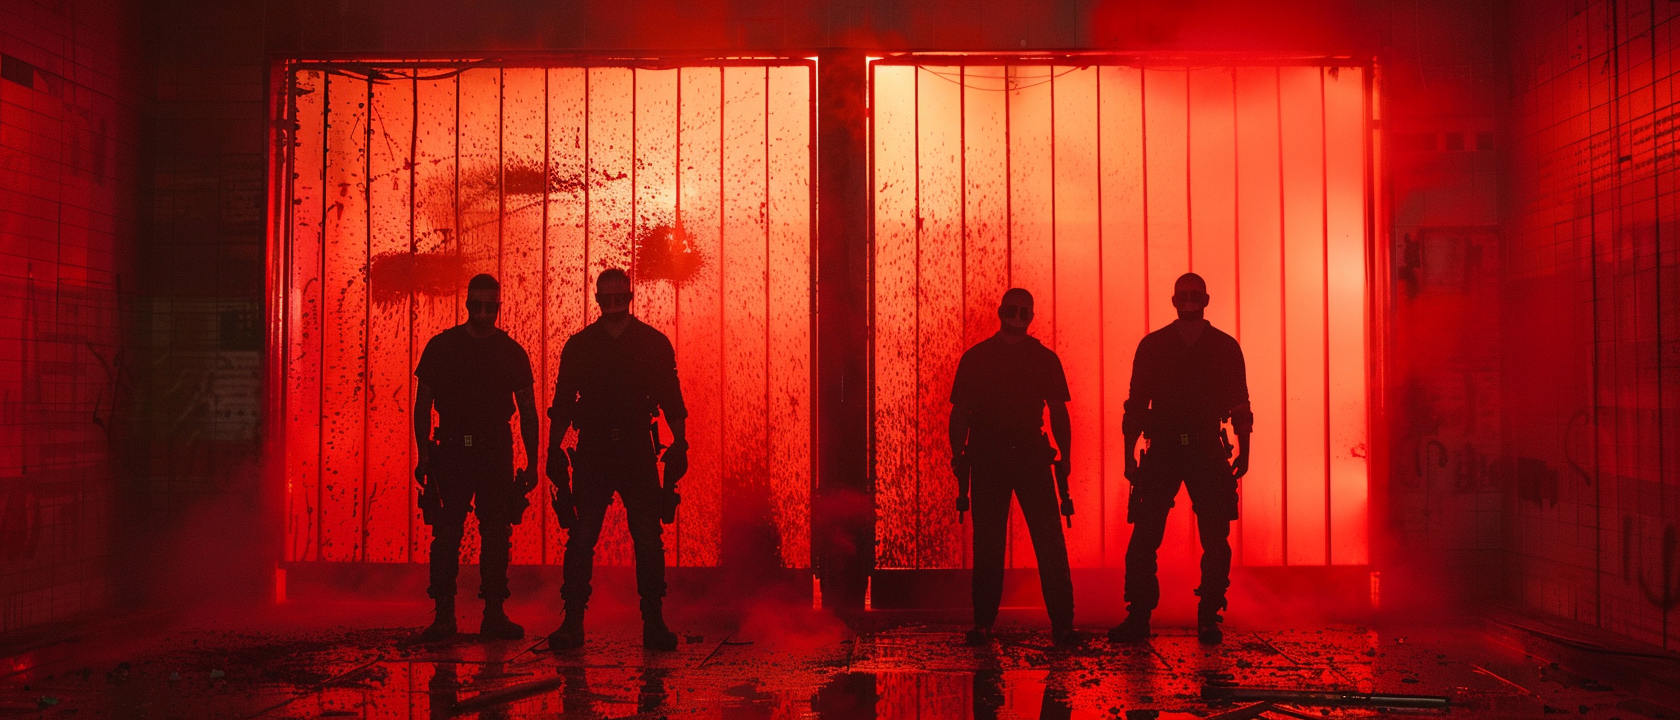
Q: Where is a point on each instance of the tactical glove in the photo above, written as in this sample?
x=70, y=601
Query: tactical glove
x=1239, y=467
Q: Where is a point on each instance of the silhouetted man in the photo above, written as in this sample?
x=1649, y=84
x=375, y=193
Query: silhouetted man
x=1187, y=379
x=475, y=375
x=615, y=376
x=1002, y=386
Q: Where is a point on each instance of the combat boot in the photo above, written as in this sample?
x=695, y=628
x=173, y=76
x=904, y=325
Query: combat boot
x=655, y=636
x=1134, y=629
x=1208, y=619
x=1063, y=635
x=570, y=634
x=1208, y=631
x=496, y=623
x=443, y=625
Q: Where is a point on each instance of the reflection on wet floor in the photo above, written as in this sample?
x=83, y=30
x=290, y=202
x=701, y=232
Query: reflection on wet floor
x=893, y=670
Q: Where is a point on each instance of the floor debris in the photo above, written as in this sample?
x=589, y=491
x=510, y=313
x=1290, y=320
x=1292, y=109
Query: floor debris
x=812, y=666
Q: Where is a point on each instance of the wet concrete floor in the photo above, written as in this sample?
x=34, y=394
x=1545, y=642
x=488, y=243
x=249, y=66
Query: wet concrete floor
x=311, y=660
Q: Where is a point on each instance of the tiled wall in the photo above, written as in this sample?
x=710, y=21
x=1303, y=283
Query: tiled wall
x=69, y=139
x=202, y=273
x=1592, y=317
x=1445, y=87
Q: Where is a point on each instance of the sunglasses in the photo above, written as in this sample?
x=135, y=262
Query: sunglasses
x=613, y=299
x=484, y=306
x=1010, y=311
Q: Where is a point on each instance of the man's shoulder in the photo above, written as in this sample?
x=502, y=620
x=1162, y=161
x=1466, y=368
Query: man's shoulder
x=996, y=345
x=447, y=336
x=443, y=355
x=1159, y=335
x=1164, y=332
x=1220, y=336
x=587, y=334
x=1039, y=347
x=1036, y=349
x=647, y=333
x=509, y=343
x=638, y=331
x=984, y=347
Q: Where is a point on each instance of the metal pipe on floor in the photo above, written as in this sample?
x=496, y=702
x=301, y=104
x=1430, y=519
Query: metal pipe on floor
x=1229, y=693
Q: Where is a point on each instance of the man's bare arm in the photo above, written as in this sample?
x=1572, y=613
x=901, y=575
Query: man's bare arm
x=1137, y=410
x=529, y=425
x=960, y=416
x=529, y=422
x=1061, y=427
x=423, y=424
x=565, y=399
x=1242, y=417
x=1242, y=420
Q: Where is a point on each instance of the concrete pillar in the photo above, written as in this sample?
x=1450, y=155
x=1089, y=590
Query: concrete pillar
x=843, y=508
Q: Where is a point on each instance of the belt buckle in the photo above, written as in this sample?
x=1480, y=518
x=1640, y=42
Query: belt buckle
x=466, y=440
x=615, y=434
x=1184, y=439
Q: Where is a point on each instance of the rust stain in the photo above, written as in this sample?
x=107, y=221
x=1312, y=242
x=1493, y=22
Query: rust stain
x=665, y=252
x=394, y=276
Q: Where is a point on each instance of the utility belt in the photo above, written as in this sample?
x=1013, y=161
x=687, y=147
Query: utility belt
x=1027, y=447
x=1187, y=439
x=494, y=438
x=622, y=432
x=473, y=463
x=622, y=440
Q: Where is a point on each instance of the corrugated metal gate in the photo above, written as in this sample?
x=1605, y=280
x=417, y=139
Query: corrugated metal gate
x=407, y=178
x=1094, y=183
